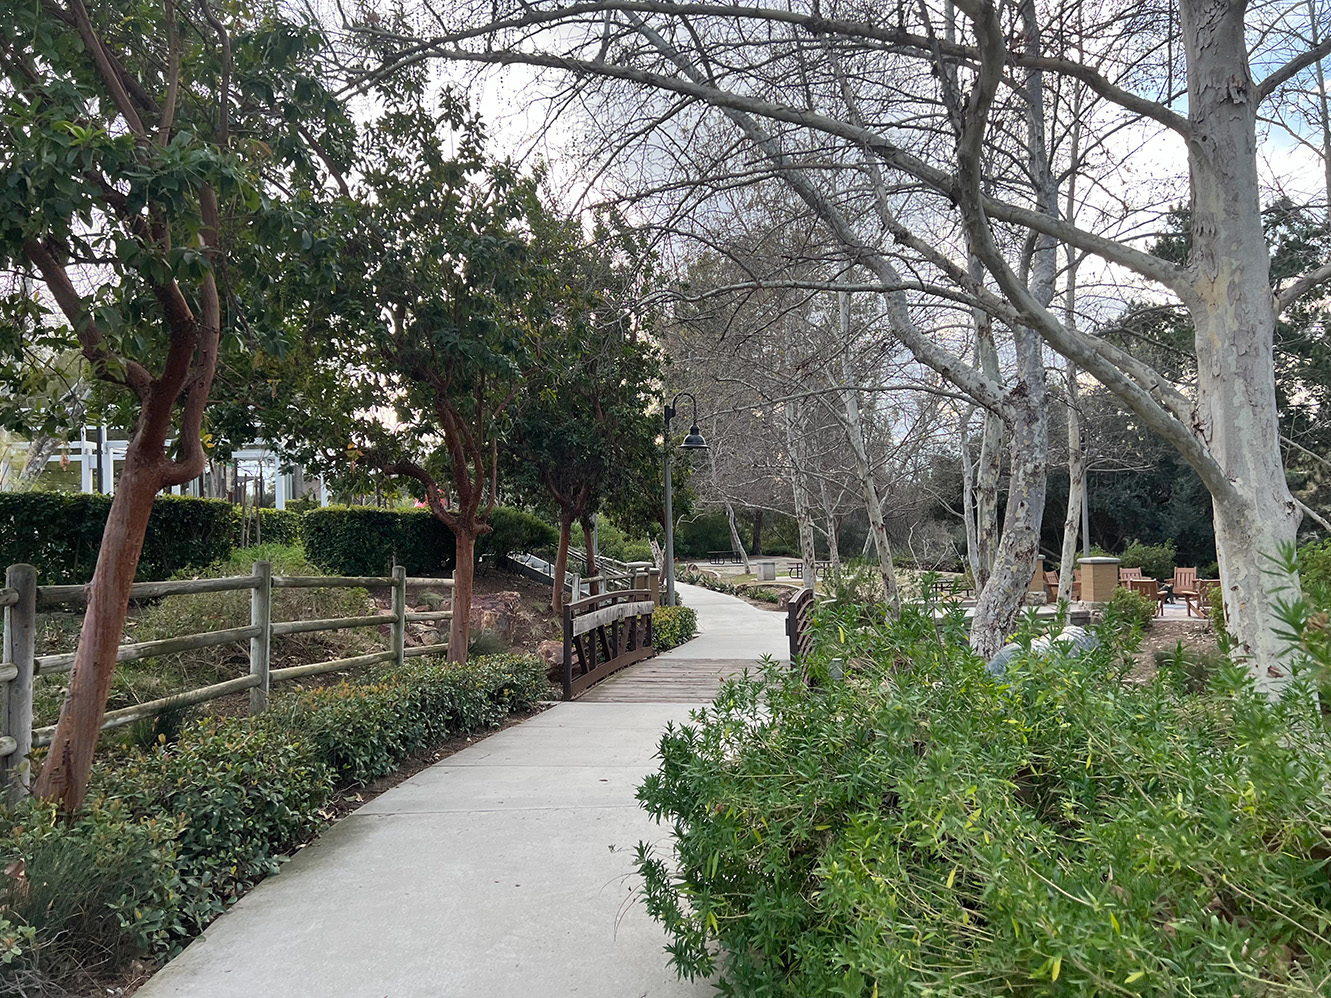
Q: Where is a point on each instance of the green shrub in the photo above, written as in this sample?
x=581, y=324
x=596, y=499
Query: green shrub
x=247, y=793
x=276, y=526
x=61, y=533
x=364, y=728
x=1155, y=560
x=920, y=828
x=1314, y=563
x=1128, y=608
x=89, y=894
x=363, y=540
x=514, y=531
x=673, y=625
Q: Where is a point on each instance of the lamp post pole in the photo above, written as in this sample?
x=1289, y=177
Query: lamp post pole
x=694, y=441
x=669, y=523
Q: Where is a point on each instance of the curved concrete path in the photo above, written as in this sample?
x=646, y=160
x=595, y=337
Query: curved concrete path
x=504, y=871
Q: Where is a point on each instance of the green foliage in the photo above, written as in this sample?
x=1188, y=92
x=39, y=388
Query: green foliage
x=1314, y=565
x=581, y=435
x=173, y=832
x=364, y=728
x=612, y=542
x=247, y=793
x=514, y=531
x=699, y=535
x=1189, y=669
x=91, y=893
x=858, y=583
x=362, y=540
x=921, y=828
x=1155, y=560
x=673, y=625
x=485, y=641
x=276, y=526
x=1128, y=608
x=61, y=533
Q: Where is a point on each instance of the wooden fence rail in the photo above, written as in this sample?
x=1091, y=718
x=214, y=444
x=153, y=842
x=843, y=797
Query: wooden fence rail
x=22, y=599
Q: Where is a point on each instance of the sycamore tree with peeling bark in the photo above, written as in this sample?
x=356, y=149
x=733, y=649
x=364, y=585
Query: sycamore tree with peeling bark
x=945, y=107
x=146, y=155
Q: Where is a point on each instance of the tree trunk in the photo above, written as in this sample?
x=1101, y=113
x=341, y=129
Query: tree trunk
x=872, y=506
x=1234, y=318
x=854, y=426
x=1004, y=594
x=594, y=588
x=64, y=775
x=756, y=549
x=735, y=542
x=989, y=466
x=833, y=553
x=803, y=513
x=1028, y=457
x=1076, y=486
x=464, y=576
x=561, y=562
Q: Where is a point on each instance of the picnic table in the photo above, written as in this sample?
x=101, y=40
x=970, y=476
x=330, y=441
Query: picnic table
x=819, y=568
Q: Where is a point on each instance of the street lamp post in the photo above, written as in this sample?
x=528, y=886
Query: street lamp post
x=694, y=441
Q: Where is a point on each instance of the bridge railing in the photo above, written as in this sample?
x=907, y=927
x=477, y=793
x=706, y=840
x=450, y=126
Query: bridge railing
x=22, y=599
x=603, y=634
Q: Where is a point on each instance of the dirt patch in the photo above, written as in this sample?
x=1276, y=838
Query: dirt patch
x=1165, y=636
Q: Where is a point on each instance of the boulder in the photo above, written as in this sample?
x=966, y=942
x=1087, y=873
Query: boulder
x=495, y=612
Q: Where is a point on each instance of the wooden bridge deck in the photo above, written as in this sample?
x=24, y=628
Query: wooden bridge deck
x=667, y=680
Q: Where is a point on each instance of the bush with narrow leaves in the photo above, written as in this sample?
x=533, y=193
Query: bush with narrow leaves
x=920, y=828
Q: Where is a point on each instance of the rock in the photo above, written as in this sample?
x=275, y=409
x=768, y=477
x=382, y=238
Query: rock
x=552, y=654
x=495, y=612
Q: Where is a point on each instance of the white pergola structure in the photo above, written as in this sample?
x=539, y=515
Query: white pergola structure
x=85, y=450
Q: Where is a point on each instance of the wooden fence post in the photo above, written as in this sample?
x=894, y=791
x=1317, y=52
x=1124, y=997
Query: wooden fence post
x=575, y=589
x=261, y=645
x=19, y=649
x=654, y=584
x=399, y=626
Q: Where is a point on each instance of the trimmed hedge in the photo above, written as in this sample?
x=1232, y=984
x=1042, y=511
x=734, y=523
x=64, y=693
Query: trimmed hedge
x=61, y=533
x=276, y=526
x=172, y=834
x=363, y=540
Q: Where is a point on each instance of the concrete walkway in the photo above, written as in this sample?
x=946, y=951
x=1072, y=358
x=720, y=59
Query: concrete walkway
x=504, y=871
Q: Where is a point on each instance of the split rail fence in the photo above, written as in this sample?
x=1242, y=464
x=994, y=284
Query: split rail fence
x=20, y=666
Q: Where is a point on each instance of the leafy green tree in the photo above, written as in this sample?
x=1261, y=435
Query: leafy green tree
x=581, y=428
x=145, y=152
x=408, y=369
